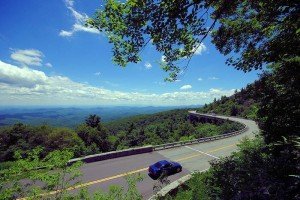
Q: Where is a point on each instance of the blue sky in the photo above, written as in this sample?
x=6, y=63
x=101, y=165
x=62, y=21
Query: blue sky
x=47, y=57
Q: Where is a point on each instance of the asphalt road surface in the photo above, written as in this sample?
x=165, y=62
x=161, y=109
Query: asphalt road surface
x=102, y=174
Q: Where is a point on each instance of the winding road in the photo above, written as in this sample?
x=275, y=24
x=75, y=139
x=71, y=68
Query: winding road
x=102, y=174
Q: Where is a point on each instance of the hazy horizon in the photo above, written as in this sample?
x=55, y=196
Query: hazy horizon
x=93, y=106
x=72, y=116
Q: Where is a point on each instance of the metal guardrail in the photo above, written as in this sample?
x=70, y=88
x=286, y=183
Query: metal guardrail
x=200, y=140
x=112, y=154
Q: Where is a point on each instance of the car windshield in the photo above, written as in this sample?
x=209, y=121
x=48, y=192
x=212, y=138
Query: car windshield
x=158, y=165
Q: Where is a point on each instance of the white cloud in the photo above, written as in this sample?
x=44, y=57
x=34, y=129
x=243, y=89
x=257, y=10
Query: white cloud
x=24, y=77
x=27, y=57
x=219, y=91
x=80, y=27
x=25, y=86
x=200, y=79
x=64, y=33
x=48, y=65
x=213, y=78
x=69, y=2
x=97, y=73
x=200, y=49
x=80, y=19
x=186, y=87
x=197, y=50
x=148, y=65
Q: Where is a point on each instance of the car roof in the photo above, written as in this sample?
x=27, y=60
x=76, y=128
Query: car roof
x=163, y=162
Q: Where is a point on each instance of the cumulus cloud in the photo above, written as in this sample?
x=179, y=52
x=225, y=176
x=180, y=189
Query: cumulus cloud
x=97, y=73
x=23, y=77
x=148, y=65
x=28, y=57
x=186, y=87
x=200, y=79
x=27, y=86
x=80, y=19
x=213, y=78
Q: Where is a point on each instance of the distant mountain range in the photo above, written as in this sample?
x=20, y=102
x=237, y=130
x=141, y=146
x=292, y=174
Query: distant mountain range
x=72, y=116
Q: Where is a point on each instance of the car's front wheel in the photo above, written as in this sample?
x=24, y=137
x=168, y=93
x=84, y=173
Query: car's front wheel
x=164, y=173
x=179, y=169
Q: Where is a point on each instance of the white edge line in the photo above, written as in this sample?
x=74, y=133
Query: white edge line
x=202, y=152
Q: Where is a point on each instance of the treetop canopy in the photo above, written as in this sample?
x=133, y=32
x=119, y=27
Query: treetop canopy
x=260, y=32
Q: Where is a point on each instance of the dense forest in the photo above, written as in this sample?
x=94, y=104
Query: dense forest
x=93, y=136
x=243, y=103
x=164, y=127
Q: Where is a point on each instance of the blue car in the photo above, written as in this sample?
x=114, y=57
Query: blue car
x=164, y=166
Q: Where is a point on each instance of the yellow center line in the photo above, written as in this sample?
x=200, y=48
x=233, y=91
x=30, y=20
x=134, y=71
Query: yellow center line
x=108, y=178
x=125, y=174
